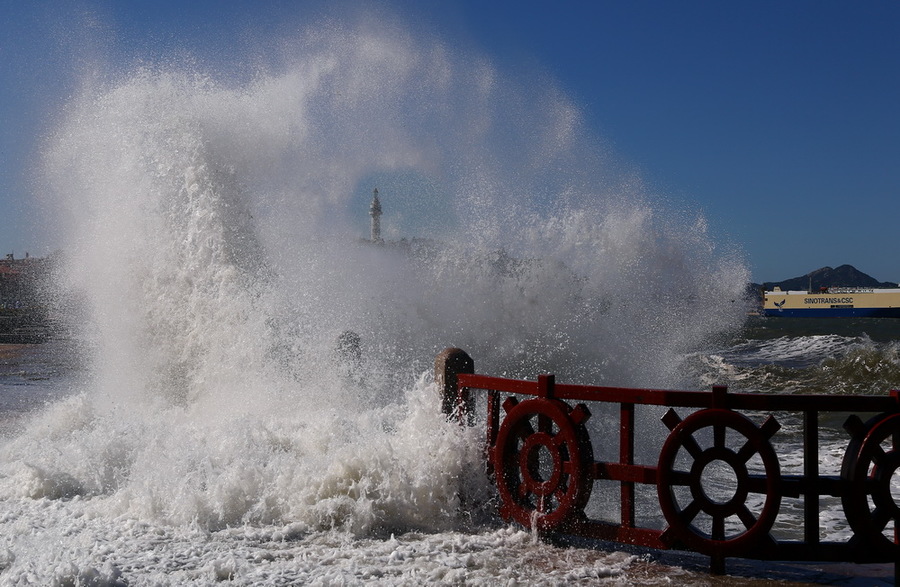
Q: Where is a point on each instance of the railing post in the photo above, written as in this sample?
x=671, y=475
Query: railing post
x=447, y=365
x=895, y=445
x=719, y=396
x=626, y=457
x=811, y=499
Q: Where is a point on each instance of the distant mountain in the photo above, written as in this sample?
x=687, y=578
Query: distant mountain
x=843, y=276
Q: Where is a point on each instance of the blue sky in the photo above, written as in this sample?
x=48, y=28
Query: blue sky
x=779, y=120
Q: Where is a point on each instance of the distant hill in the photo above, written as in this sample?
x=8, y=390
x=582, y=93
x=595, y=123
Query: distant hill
x=843, y=276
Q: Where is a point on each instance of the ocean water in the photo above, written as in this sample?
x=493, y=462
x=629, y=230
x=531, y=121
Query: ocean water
x=386, y=494
x=821, y=356
x=240, y=391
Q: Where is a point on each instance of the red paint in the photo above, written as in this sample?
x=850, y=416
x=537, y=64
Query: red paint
x=550, y=428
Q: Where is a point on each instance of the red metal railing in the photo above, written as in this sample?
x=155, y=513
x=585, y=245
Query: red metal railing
x=540, y=454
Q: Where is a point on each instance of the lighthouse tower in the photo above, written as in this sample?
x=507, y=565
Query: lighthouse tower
x=375, y=213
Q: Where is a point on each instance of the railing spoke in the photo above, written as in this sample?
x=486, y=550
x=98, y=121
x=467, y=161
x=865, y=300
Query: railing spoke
x=719, y=436
x=880, y=518
x=746, y=516
x=718, y=528
x=690, y=444
x=690, y=511
x=746, y=452
x=680, y=478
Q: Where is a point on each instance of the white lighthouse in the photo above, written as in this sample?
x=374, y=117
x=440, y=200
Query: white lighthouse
x=375, y=213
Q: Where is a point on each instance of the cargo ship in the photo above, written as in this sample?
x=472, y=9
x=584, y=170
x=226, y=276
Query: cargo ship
x=833, y=302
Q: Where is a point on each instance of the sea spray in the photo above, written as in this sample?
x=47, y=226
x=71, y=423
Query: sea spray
x=212, y=227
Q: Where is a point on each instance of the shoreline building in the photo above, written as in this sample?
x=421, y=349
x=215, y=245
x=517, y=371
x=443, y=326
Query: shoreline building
x=421, y=248
x=21, y=281
x=375, y=213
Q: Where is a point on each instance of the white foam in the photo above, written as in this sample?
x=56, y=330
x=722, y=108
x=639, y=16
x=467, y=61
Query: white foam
x=210, y=227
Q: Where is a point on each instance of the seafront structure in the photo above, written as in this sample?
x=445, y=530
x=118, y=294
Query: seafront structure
x=416, y=246
x=718, y=481
x=22, y=312
x=375, y=213
x=18, y=280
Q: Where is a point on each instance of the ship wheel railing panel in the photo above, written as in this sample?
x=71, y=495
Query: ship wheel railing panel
x=724, y=475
